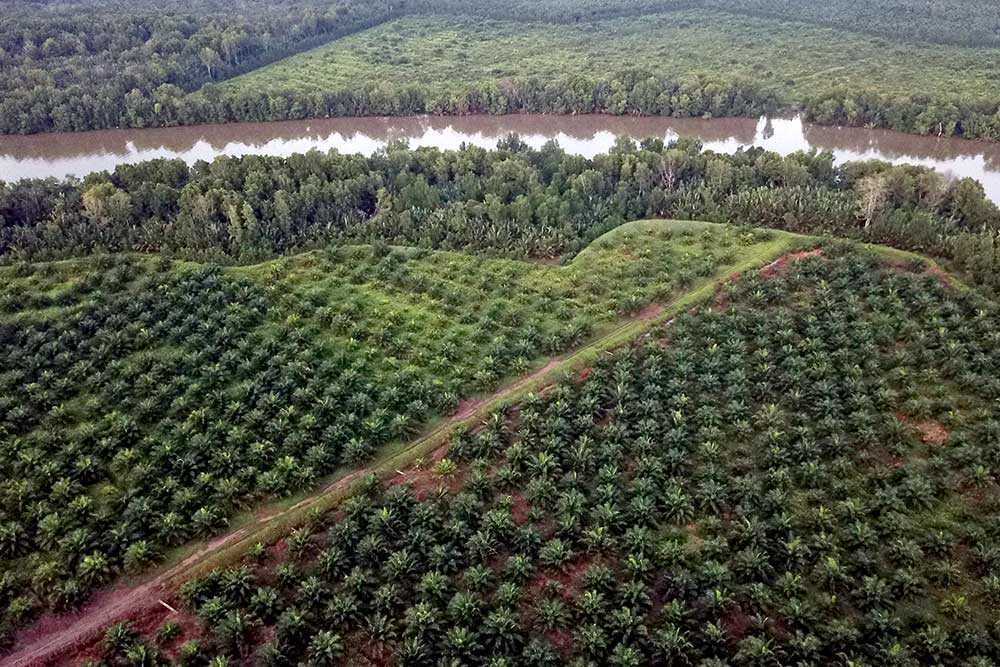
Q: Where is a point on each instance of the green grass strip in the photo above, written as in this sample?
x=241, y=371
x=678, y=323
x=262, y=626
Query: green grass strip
x=282, y=518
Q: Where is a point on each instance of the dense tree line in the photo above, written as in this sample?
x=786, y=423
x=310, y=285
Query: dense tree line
x=555, y=11
x=625, y=93
x=916, y=114
x=802, y=472
x=102, y=64
x=513, y=200
x=633, y=92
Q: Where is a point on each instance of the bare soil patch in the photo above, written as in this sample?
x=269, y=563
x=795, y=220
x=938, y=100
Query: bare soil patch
x=931, y=432
x=649, y=312
x=776, y=267
x=468, y=407
x=55, y=639
x=520, y=509
x=883, y=457
x=736, y=623
x=424, y=481
x=571, y=577
x=561, y=640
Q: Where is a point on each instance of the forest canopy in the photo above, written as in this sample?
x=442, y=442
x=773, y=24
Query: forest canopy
x=87, y=65
x=513, y=201
x=916, y=67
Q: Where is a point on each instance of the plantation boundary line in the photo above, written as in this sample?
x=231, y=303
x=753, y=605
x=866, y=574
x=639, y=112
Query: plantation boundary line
x=109, y=607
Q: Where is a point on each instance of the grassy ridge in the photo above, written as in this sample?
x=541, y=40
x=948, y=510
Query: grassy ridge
x=453, y=313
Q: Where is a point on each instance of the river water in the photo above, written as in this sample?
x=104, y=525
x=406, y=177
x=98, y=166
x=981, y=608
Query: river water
x=76, y=154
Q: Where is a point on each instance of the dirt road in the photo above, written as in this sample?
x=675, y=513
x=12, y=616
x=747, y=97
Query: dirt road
x=55, y=638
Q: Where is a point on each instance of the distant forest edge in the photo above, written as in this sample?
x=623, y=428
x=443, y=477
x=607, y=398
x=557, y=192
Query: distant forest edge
x=513, y=202
x=140, y=66
x=973, y=23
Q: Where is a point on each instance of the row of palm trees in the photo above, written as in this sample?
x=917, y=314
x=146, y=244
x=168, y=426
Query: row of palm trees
x=758, y=485
x=153, y=401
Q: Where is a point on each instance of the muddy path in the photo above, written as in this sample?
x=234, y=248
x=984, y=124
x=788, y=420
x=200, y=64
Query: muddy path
x=55, y=639
x=49, y=640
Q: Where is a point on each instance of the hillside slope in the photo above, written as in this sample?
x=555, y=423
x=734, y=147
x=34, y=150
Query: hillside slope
x=799, y=471
x=147, y=401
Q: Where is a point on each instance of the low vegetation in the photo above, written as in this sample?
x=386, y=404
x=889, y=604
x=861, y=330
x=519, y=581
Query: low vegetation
x=144, y=402
x=468, y=65
x=969, y=23
x=801, y=471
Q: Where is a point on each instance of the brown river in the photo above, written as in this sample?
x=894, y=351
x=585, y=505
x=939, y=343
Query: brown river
x=76, y=154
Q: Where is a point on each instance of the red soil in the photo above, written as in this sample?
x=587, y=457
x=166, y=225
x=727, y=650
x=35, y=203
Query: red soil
x=736, y=624
x=466, y=408
x=571, y=577
x=469, y=406
x=144, y=621
x=943, y=277
x=278, y=551
x=54, y=638
x=777, y=266
x=520, y=509
x=649, y=312
x=932, y=270
x=883, y=457
x=931, y=432
x=423, y=480
x=561, y=640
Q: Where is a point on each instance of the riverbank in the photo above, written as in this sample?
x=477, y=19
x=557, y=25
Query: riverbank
x=60, y=155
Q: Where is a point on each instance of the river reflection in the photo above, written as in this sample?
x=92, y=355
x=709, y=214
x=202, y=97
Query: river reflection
x=76, y=154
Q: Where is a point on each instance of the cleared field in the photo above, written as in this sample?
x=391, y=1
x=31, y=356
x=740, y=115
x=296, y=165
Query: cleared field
x=444, y=56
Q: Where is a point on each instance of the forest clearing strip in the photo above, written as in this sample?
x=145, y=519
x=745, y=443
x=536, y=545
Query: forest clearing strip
x=54, y=637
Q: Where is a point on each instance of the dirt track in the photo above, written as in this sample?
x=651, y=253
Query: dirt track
x=55, y=638
x=48, y=640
